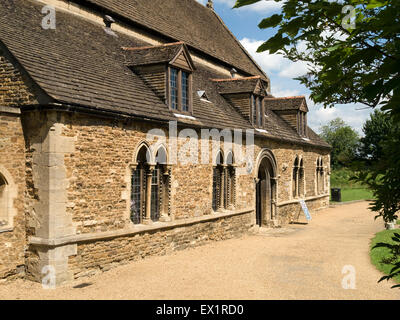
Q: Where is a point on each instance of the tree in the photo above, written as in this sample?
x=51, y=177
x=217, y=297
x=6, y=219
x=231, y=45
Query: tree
x=354, y=60
x=344, y=141
x=376, y=130
x=351, y=60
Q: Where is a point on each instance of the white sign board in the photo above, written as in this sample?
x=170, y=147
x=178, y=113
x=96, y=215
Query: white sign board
x=305, y=210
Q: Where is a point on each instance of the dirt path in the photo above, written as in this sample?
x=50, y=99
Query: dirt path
x=301, y=262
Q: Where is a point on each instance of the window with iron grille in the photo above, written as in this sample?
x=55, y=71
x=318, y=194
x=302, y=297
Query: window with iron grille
x=185, y=91
x=174, y=88
x=180, y=89
x=260, y=111
x=215, y=187
x=155, y=195
x=254, y=109
x=136, y=195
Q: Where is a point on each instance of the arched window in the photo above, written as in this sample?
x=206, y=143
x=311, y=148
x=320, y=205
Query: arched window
x=321, y=173
x=224, y=183
x=160, y=186
x=149, y=187
x=295, y=178
x=217, y=198
x=230, y=174
x=320, y=176
x=138, y=185
x=301, y=179
x=4, y=202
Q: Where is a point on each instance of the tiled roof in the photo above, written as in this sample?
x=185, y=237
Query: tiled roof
x=154, y=54
x=287, y=103
x=238, y=85
x=187, y=21
x=79, y=64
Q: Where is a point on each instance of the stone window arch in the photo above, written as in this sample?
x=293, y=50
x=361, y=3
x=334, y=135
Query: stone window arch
x=217, y=185
x=301, y=179
x=161, y=186
x=8, y=193
x=230, y=181
x=295, y=178
x=320, y=176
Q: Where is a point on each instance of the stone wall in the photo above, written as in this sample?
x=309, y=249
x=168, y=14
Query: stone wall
x=12, y=169
x=96, y=256
x=80, y=191
x=14, y=90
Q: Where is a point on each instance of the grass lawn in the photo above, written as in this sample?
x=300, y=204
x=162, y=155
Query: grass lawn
x=378, y=255
x=351, y=190
x=351, y=194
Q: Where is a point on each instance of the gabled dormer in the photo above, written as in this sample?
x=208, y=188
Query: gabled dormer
x=167, y=69
x=291, y=109
x=246, y=95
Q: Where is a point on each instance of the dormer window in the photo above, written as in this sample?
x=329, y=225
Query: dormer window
x=185, y=91
x=292, y=110
x=179, y=88
x=173, y=83
x=257, y=110
x=167, y=69
x=246, y=94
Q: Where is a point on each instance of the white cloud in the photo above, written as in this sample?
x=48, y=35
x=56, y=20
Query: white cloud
x=354, y=115
x=274, y=63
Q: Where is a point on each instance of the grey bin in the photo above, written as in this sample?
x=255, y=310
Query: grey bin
x=336, y=194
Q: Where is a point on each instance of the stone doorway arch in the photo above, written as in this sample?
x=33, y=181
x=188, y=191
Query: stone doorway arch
x=266, y=189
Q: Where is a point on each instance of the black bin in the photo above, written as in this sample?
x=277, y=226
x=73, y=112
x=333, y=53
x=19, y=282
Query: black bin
x=336, y=194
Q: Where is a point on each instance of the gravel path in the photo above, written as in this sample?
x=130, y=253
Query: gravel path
x=299, y=262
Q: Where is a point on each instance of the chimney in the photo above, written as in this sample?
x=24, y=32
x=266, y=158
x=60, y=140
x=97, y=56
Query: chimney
x=210, y=4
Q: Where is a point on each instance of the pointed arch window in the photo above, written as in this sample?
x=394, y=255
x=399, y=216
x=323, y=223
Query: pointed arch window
x=320, y=176
x=149, y=187
x=301, y=179
x=224, y=183
x=295, y=178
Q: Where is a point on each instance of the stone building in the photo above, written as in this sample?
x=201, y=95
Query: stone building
x=115, y=123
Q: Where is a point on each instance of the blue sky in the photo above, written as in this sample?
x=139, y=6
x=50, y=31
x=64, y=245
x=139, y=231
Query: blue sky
x=243, y=23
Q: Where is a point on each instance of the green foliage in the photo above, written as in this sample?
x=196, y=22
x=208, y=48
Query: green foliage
x=349, y=65
x=342, y=178
x=376, y=129
x=344, y=141
x=351, y=190
x=359, y=65
x=385, y=254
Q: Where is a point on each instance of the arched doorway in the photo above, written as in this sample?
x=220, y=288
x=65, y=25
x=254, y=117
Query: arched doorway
x=266, y=189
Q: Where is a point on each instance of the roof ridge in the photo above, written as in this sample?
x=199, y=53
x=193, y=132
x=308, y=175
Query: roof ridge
x=156, y=46
x=237, y=79
x=241, y=46
x=285, y=98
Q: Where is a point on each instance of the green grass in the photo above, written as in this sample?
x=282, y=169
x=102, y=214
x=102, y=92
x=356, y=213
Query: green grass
x=351, y=190
x=378, y=255
x=351, y=194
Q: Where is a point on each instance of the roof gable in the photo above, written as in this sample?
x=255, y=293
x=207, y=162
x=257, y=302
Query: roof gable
x=252, y=85
x=287, y=104
x=175, y=54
